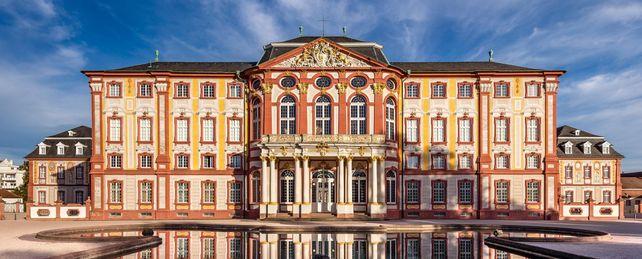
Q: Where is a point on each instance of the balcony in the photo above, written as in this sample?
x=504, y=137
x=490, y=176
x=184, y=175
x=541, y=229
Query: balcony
x=327, y=139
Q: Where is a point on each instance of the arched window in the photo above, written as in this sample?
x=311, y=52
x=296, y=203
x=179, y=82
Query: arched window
x=287, y=186
x=323, y=111
x=256, y=187
x=391, y=187
x=288, y=115
x=256, y=119
x=359, y=189
x=358, y=115
x=390, y=119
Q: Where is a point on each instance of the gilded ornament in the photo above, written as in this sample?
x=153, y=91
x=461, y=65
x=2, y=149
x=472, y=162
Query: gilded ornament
x=378, y=88
x=303, y=88
x=322, y=54
x=267, y=88
x=342, y=88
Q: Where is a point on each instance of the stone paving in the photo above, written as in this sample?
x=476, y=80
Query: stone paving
x=17, y=238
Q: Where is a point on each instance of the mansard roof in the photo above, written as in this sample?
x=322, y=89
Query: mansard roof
x=566, y=134
x=371, y=50
x=188, y=67
x=80, y=132
x=82, y=135
x=463, y=66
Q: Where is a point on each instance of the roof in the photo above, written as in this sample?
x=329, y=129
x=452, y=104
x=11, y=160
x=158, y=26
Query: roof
x=566, y=134
x=8, y=194
x=633, y=174
x=569, y=132
x=80, y=131
x=306, y=39
x=631, y=182
x=463, y=66
x=69, y=138
x=188, y=67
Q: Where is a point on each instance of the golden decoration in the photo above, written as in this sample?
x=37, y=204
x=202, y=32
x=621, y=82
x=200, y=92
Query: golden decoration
x=322, y=148
x=342, y=88
x=267, y=88
x=378, y=88
x=303, y=88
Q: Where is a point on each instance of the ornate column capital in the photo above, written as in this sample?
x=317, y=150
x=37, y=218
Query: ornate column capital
x=485, y=86
x=341, y=158
x=303, y=88
x=161, y=86
x=305, y=158
x=378, y=88
x=96, y=86
x=267, y=88
x=272, y=158
x=551, y=87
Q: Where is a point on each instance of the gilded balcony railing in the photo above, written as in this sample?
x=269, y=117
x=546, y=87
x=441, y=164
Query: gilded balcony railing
x=330, y=139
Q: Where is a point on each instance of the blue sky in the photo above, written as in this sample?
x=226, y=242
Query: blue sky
x=45, y=44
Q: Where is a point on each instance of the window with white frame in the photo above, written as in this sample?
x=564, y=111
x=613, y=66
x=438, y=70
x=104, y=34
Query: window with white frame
x=182, y=161
x=182, y=90
x=502, y=161
x=412, y=162
x=182, y=129
x=465, y=161
x=115, y=192
x=568, y=196
x=146, y=192
x=465, y=90
x=61, y=150
x=42, y=173
x=606, y=172
x=588, y=196
x=209, y=90
x=114, y=129
x=532, y=130
x=501, y=130
x=413, y=248
x=606, y=196
x=182, y=248
x=235, y=248
x=499, y=254
x=465, y=248
x=606, y=148
x=412, y=191
x=390, y=119
x=359, y=188
x=42, y=197
x=501, y=192
x=391, y=187
x=209, y=192
x=235, y=130
x=587, y=148
x=146, y=161
x=411, y=131
x=391, y=249
x=145, y=90
x=256, y=187
x=208, y=130
x=115, y=161
x=114, y=90
x=208, y=162
x=439, y=248
x=412, y=90
x=182, y=192
x=568, y=148
x=323, y=115
x=235, y=161
x=568, y=172
x=235, y=192
x=256, y=119
x=287, y=186
x=532, y=90
x=439, y=90
x=465, y=130
x=42, y=150
x=532, y=161
x=209, y=248
x=439, y=191
x=439, y=161
x=438, y=130
x=288, y=115
x=465, y=192
x=145, y=129
x=358, y=115
x=235, y=90
x=587, y=172
x=532, y=192
x=501, y=89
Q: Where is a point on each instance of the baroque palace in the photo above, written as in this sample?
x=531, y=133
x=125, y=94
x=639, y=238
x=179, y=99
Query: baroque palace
x=329, y=127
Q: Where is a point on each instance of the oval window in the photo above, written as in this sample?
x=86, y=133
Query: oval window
x=358, y=81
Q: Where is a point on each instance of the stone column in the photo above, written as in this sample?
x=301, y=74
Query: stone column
x=298, y=187
x=372, y=186
x=273, y=205
x=306, y=206
x=298, y=250
x=265, y=187
x=341, y=187
x=265, y=247
x=349, y=206
x=382, y=180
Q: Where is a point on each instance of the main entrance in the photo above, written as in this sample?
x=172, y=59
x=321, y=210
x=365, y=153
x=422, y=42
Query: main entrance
x=323, y=191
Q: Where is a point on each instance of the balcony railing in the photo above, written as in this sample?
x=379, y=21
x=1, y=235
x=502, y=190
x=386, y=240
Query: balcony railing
x=330, y=139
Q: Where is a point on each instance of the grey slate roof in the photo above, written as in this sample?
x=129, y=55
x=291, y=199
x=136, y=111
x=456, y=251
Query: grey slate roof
x=567, y=133
x=188, y=67
x=371, y=52
x=629, y=182
x=82, y=135
x=463, y=66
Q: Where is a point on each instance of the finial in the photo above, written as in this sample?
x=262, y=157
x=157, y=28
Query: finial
x=345, y=30
x=300, y=30
x=157, y=53
x=490, y=55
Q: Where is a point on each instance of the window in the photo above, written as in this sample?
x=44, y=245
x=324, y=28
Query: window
x=439, y=191
x=208, y=130
x=182, y=129
x=114, y=129
x=501, y=192
x=235, y=248
x=358, y=115
x=182, y=192
x=256, y=187
x=145, y=90
x=80, y=150
x=256, y=119
x=412, y=90
x=501, y=130
x=61, y=150
x=359, y=189
x=587, y=172
x=235, y=90
x=412, y=191
x=465, y=90
x=532, y=161
x=502, y=161
x=235, y=192
x=287, y=186
x=235, y=130
x=391, y=187
x=499, y=254
x=209, y=248
x=568, y=172
x=501, y=89
x=145, y=130
x=439, y=248
x=465, y=192
x=391, y=249
x=286, y=249
x=359, y=250
x=42, y=150
x=208, y=192
x=182, y=90
x=146, y=192
x=412, y=133
x=532, y=89
x=412, y=162
x=413, y=249
x=115, y=161
x=288, y=115
x=115, y=192
x=438, y=130
x=465, y=248
x=42, y=197
x=439, y=161
x=606, y=148
x=61, y=196
x=323, y=115
x=182, y=248
x=439, y=90
x=532, y=130
x=114, y=90
x=568, y=148
x=208, y=162
x=465, y=161
x=465, y=125
x=80, y=172
x=606, y=172
x=587, y=148
x=146, y=161
x=182, y=161
x=79, y=197
x=236, y=161
x=288, y=82
x=606, y=196
x=42, y=173
x=532, y=192
x=390, y=119
x=208, y=90
x=588, y=196
x=568, y=196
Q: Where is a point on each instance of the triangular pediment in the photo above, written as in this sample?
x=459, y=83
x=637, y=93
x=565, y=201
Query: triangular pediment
x=322, y=54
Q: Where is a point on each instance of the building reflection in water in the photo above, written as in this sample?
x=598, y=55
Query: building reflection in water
x=205, y=244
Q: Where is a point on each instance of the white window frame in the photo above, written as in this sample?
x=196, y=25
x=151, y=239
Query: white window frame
x=532, y=90
x=116, y=192
x=182, y=193
x=209, y=90
x=235, y=130
x=411, y=130
x=114, y=129
x=438, y=130
x=533, y=192
x=235, y=192
x=235, y=90
x=465, y=192
x=182, y=129
x=390, y=119
x=209, y=192
x=236, y=161
x=465, y=130
x=323, y=115
x=145, y=129
x=358, y=115
x=146, y=192
x=115, y=90
x=208, y=130
x=208, y=161
x=501, y=191
x=115, y=161
x=501, y=130
x=532, y=130
x=145, y=90
x=288, y=115
x=532, y=162
x=182, y=161
x=412, y=90
x=412, y=191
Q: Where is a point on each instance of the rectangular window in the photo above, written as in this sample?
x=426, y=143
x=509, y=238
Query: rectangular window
x=391, y=249
x=182, y=91
x=182, y=161
x=465, y=161
x=532, y=130
x=145, y=90
x=235, y=130
x=439, y=192
x=208, y=130
x=411, y=131
x=209, y=91
x=61, y=150
x=182, y=248
x=465, y=248
x=465, y=192
x=61, y=196
x=606, y=172
x=80, y=172
x=182, y=192
x=438, y=133
x=235, y=248
x=439, y=161
x=532, y=161
x=115, y=192
x=568, y=172
x=501, y=130
x=236, y=161
x=412, y=90
x=146, y=192
x=412, y=162
x=465, y=90
x=80, y=150
x=235, y=91
x=208, y=192
x=114, y=90
x=412, y=191
x=208, y=162
x=568, y=196
x=182, y=129
x=115, y=161
x=146, y=161
x=256, y=188
x=114, y=129
x=413, y=249
x=587, y=172
x=501, y=192
x=588, y=196
x=42, y=150
x=439, y=90
x=499, y=254
x=501, y=89
x=502, y=161
x=145, y=130
x=286, y=249
x=42, y=197
x=532, y=192
x=235, y=192
x=209, y=248
x=532, y=90
x=606, y=196
x=79, y=197
x=465, y=130
x=439, y=248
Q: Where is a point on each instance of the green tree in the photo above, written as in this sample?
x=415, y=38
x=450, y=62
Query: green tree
x=23, y=189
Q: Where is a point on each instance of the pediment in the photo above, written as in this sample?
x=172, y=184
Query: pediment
x=322, y=54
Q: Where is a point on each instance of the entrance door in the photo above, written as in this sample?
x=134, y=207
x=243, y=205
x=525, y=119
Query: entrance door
x=323, y=191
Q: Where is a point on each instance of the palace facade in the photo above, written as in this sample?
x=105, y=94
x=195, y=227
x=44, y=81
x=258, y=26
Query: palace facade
x=325, y=126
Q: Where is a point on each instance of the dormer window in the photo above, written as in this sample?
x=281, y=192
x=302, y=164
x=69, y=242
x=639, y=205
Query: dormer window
x=606, y=148
x=568, y=148
x=577, y=132
x=587, y=148
x=79, y=151
x=42, y=150
x=61, y=150
x=71, y=133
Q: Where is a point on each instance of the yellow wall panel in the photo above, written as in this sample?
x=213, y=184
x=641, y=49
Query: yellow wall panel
x=452, y=123
x=196, y=93
x=425, y=135
x=221, y=126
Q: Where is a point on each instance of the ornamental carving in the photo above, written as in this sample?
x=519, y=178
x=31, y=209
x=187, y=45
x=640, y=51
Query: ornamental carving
x=378, y=88
x=322, y=54
x=267, y=88
x=342, y=88
x=303, y=88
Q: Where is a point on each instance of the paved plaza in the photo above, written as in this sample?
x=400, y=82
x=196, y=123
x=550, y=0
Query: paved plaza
x=18, y=237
